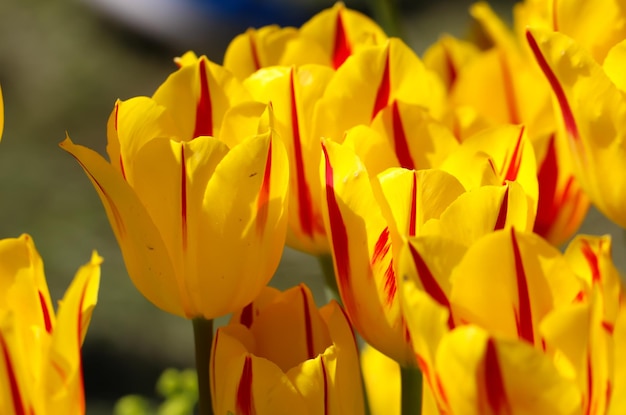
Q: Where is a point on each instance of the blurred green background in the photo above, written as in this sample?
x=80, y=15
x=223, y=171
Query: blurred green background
x=62, y=66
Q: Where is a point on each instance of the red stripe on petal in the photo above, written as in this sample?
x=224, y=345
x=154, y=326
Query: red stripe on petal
x=247, y=315
x=213, y=381
x=503, y=212
x=399, y=139
x=589, y=401
x=384, y=88
x=117, y=216
x=183, y=196
x=245, y=397
x=325, y=376
x=46, y=313
x=413, y=211
x=525, y=317
x=338, y=237
x=609, y=327
x=494, y=383
x=430, y=284
x=308, y=327
x=342, y=48
x=254, y=50
x=263, y=202
x=566, y=110
x=391, y=286
x=452, y=72
x=592, y=261
x=516, y=159
x=381, y=248
x=305, y=205
x=204, y=109
x=18, y=404
x=547, y=177
x=122, y=169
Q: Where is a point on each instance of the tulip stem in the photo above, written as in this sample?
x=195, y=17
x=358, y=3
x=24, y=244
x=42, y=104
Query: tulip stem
x=411, y=378
x=203, y=339
x=326, y=262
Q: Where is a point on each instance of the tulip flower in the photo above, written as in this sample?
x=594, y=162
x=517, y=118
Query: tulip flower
x=40, y=367
x=282, y=355
x=201, y=226
x=565, y=307
x=590, y=99
x=328, y=39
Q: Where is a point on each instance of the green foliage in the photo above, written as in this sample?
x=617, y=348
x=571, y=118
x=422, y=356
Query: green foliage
x=179, y=390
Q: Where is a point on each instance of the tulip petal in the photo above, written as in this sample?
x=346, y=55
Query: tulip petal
x=526, y=277
x=197, y=97
x=145, y=254
x=488, y=376
x=244, y=211
x=341, y=31
x=249, y=384
x=65, y=374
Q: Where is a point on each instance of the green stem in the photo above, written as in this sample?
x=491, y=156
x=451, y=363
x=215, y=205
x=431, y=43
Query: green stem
x=386, y=15
x=328, y=269
x=203, y=339
x=411, y=378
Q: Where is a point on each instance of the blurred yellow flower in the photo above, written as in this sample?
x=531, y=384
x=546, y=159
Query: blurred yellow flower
x=40, y=363
x=281, y=355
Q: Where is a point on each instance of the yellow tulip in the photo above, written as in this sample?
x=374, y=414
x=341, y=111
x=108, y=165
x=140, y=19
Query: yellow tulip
x=538, y=302
x=40, y=364
x=328, y=39
x=195, y=197
x=281, y=355
x=591, y=102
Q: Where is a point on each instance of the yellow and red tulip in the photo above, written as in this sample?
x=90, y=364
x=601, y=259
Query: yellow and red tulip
x=197, y=206
x=328, y=39
x=591, y=103
x=40, y=363
x=282, y=355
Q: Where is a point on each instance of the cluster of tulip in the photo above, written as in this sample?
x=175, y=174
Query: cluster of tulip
x=440, y=188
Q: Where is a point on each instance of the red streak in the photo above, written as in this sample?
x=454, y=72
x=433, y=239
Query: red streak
x=308, y=327
x=390, y=283
x=18, y=405
x=117, y=109
x=413, y=211
x=384, y=88
x=525, y=319
x=204, y=110
x=555, y=16
x=247, y=315
x=245, y=398
x=399, y=139
x=46, y=313
x=430, y=284
x=494, y=383
x=305, y=211
x=339, y=238
x=183, y=195
x=117, y=216
x=452, y=73
x=342, y=47
x=592, y=261
x=254, y=51
x=263, y=201
x=325, y=375
x=566, y=111
x=212, y=368
x=503, y=212
x=381, y=250
x=516, y=159
x=547, y=206
x=122, y=167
